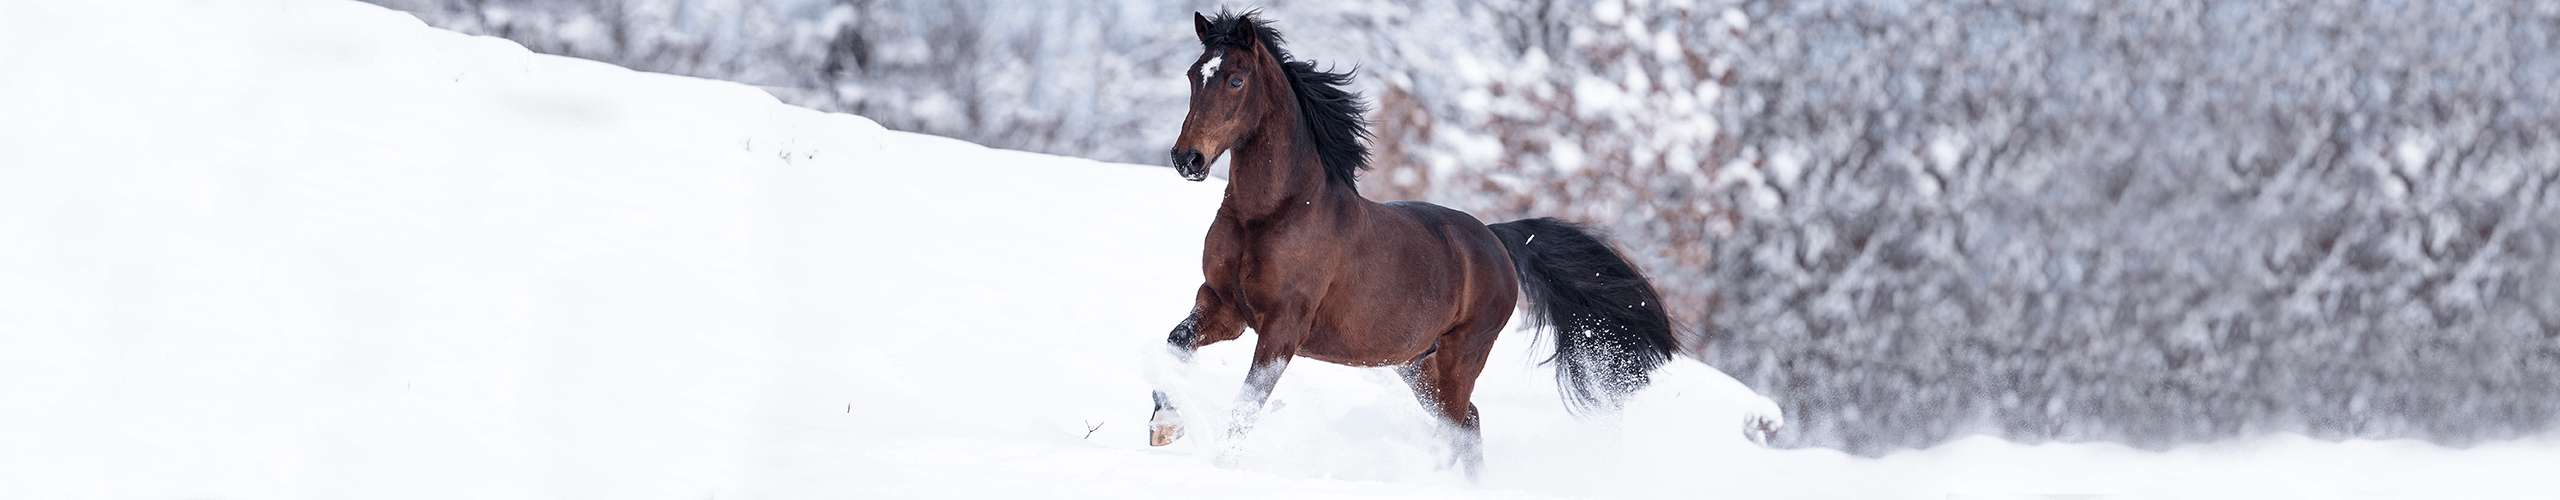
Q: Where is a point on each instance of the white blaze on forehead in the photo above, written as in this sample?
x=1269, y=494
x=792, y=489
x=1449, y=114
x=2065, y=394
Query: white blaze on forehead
x=1208, y=69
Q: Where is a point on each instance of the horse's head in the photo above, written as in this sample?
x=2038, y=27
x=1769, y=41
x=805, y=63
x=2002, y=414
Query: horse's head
x=1234, y=85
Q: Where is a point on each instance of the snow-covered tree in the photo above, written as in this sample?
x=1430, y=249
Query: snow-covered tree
x=2145, y=222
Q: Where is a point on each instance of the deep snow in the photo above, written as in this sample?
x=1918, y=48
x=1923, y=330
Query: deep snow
x=311, y=249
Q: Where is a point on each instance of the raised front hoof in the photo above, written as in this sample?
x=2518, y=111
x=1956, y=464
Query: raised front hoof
x=1163, y=435
x=1163, y=429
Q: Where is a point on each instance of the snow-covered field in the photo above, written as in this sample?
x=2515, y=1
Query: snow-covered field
x=310, y=249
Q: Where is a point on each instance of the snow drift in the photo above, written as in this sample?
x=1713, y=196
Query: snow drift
x=307, y=249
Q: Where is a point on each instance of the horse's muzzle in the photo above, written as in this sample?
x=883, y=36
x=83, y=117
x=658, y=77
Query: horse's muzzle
x=1190, y=164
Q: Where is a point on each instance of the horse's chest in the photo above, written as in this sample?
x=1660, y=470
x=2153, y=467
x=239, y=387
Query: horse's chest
x=1262, y=271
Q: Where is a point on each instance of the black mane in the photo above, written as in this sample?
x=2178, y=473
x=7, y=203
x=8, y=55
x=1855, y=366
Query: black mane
x=1332, y=114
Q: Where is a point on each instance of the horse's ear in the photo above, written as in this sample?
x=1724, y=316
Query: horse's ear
x=1200, y=26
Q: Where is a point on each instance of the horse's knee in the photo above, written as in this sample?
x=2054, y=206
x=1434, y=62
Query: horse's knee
x=1201, y=329
x=1185, y=335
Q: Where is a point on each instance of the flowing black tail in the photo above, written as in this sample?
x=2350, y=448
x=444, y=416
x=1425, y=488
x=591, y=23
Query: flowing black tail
x=1607, y=320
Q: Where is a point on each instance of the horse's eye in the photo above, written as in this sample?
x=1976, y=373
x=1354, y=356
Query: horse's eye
x=1235, y=82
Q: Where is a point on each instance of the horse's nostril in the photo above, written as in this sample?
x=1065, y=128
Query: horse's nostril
x=1186, y=158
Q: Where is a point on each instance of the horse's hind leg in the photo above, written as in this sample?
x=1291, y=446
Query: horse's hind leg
x=1445, y=382
x=1211, y=321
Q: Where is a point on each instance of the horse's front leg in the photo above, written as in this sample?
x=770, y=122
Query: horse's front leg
x=1211, y=321
x=1271, y=353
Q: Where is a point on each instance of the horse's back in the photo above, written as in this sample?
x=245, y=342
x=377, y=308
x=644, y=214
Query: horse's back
x=1445, y=225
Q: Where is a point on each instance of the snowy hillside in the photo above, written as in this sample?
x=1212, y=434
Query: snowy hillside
x=316, y=249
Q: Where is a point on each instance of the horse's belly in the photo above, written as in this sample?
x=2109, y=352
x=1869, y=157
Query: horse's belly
x=1353, y=355
x=1392, y=313
x=1384, y=335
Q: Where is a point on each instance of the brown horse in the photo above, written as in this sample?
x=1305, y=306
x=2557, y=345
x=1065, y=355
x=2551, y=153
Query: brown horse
x=1318, y=271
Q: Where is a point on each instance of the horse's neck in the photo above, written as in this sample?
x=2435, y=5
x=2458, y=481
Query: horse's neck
x=1279, y=175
